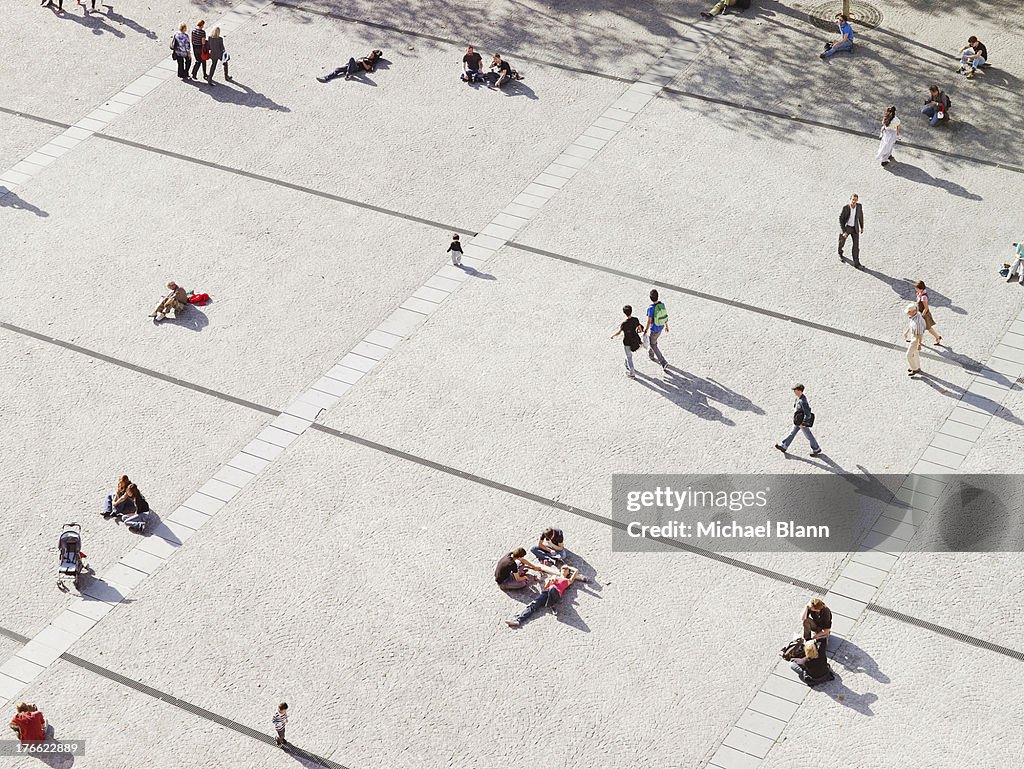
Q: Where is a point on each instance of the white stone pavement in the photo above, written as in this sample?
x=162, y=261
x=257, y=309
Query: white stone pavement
x=117, y=583
x=762, y=724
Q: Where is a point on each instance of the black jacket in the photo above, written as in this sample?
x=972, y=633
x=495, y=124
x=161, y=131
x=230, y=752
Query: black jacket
x=844, y=216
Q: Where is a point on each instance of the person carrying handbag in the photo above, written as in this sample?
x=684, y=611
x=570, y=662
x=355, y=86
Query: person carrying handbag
x=803, y=420
x=181, y=51
x=202, y=53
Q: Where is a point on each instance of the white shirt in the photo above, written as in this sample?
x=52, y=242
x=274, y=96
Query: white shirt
x=915, y=326
x=852, y=222
x=892, y=125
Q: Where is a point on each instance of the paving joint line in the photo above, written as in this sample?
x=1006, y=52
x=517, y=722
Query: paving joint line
x=890, y=537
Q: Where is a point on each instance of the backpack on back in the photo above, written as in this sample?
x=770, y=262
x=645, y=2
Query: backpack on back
x=660, y=314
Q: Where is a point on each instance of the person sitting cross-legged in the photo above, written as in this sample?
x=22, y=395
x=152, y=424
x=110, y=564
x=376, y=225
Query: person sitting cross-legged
x=512, y=571
x=813, y=668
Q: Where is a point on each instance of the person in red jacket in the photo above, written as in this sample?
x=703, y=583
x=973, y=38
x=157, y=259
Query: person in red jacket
x=28, y=723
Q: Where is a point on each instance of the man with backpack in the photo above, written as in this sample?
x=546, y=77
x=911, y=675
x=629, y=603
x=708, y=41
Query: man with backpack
x=657, y=321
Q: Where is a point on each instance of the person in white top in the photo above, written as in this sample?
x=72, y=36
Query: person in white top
x=888, y=136
x=914, y=334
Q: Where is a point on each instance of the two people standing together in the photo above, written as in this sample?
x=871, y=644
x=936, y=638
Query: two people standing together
x=633, y=338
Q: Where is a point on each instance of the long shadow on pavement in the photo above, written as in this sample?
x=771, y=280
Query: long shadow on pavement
x=694, y=394
x=10, y=199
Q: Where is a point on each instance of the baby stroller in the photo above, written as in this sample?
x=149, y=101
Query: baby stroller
x=71, y=556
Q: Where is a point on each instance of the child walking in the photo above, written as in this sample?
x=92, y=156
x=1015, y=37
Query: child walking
x=455, y=249
x=280, y=720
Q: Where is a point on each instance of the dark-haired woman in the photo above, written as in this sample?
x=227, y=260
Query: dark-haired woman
x=888, y=136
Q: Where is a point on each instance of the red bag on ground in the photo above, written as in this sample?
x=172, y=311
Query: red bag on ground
x=199, y=299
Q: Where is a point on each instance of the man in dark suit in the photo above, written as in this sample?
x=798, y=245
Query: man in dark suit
x=851, y=223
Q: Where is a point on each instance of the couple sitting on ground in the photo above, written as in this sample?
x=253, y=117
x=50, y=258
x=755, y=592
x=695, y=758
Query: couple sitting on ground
x=127, y=505
x=806, y=652
x=355, y=67
x=472, y=70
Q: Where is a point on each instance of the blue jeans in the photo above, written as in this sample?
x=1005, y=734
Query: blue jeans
x=542, y=554
x=932, y=113
x=548, y=597
x=109, y=508
x=807, y=432
x=845, y=46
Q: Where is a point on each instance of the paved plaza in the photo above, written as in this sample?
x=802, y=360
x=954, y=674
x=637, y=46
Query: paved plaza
x=340, y=445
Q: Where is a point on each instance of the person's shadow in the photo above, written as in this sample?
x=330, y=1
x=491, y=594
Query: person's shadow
x=241, y=95
x=476, y=273
x=10, y=199
x=55, y=760
x=518, y=88
x=904, y=289
x=919, y=175
x=124, y=21
x=191, y=318
x=96, y=25
x=694, y=393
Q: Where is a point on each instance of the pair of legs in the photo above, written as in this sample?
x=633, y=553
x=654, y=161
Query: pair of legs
x=913, y=358
x=932, y=113
x=198, y=60
x=183, y=65
x=346, y=71
x=472, y=76
x=654, y=352
x=280, y=740
x=846, y=45
x=718, y=8
x=213, y=71
x=807, y=434
x=166, y=306
x=971, y=65
x=1016, y=268
x=456, y=257
x=540, y=554
x=122, y=507
x=137, y=522
x=548, y=597
x=630, y=368
x=806, y=677
x=848, y=232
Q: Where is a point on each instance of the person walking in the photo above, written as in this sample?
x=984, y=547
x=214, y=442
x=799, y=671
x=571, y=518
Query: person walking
x=455, y=249
x=215, y=47
x=803, y=420
x=280, y=721
x=890, y=133
x=851, y=224
x=1018, y=264
x=925, y=309
x=630, y=330
x=182, y=47
x=199, y=49
x=60, y=5
x=657, y=321
x=913, y=335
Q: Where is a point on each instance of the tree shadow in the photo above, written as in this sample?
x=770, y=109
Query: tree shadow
x=10, y=199
x=124, y=21
x=914, y=174
x=241, y=94
x=694, y=394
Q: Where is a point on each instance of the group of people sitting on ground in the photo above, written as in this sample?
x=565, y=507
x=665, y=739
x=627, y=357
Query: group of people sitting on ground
x=355, y=66
x=513, y=572
x=28, y=723
x=806, y=652
x=500, y=70
x=127, y=505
